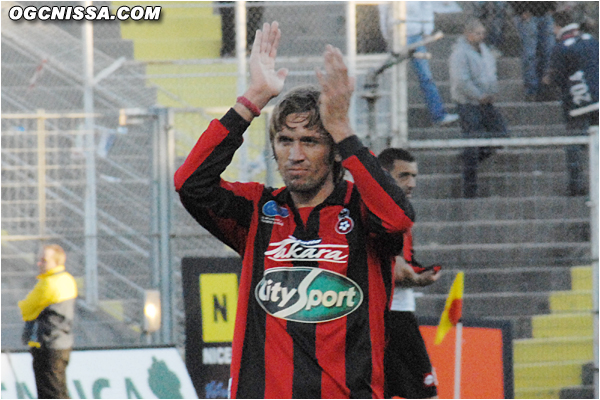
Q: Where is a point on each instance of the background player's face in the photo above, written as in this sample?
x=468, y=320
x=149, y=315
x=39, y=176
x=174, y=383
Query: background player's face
x=303, y=155
x=405, y=174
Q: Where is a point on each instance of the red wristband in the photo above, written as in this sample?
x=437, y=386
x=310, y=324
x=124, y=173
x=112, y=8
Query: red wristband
x=249, y=105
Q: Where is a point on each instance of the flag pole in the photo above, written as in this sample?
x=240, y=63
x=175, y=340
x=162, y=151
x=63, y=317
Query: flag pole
x=457, y=360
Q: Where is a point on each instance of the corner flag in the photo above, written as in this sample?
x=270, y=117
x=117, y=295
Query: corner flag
x=453, y=308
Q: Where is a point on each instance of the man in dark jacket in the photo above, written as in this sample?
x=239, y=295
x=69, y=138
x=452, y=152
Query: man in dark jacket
x=533, y=20
x=48, y=312
x=574, y=69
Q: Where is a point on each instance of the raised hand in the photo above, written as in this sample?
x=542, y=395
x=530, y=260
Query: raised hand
x=265, y=82
x=336, y=91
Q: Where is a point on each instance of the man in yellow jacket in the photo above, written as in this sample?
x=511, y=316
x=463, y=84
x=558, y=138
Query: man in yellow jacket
x=48, y=312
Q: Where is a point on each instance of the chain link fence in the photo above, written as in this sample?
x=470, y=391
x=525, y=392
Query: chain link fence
x=189, y=64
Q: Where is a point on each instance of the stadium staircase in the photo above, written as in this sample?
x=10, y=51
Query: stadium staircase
x=122, y=190
x=555, y=363
x=517, y=241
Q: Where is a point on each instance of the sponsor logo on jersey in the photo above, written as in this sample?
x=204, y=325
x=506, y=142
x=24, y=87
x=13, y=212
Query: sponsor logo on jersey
x=345, y=223
x=273, y=212
x=272, y=209
x=292, y=249
x=306, y=294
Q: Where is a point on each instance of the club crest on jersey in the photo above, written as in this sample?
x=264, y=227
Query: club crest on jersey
x=306, y=294
x=293, y=249
x=345, y=223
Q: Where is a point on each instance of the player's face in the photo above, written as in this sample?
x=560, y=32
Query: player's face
x=303, y=156
x=405, y=174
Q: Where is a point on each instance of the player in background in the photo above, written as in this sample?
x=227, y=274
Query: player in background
x=409, y=373
x=574, y=69
x=317, y=269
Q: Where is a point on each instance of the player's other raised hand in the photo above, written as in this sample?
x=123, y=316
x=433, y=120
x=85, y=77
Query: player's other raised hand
x=336, y=91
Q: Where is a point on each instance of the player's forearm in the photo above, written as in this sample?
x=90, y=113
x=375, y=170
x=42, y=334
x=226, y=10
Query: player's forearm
x=378, y=191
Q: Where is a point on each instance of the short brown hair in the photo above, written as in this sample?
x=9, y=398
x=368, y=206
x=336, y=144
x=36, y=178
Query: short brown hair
x=59, y=255
x=303, y=99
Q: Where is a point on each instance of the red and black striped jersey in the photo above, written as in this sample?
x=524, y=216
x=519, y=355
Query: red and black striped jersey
x=312, y=295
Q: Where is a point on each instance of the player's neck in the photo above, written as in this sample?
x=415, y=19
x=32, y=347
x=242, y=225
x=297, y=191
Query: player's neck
x=312, y=198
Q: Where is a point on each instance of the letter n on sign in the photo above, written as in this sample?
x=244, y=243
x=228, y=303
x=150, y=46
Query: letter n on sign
x=218, y=301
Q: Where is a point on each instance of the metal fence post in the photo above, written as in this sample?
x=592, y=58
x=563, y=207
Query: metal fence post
x=91, y=212
x=399, y=117
x=41, y=170
x=165, y=174
x=593, y=149
x=240, y=46
x=351, y=53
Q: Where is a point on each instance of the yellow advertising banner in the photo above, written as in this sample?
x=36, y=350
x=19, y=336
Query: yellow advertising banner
x=218, y=300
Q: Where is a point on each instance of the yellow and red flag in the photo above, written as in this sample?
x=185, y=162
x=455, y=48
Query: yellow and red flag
x=453, y=308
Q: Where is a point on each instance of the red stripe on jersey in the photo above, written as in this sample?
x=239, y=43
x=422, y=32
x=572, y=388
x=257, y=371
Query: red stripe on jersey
x=333, y=377
x=279, y=348
x=241, y=317
x=203, y=148
x=332, y=358
x=392, y=216
x=408, y=246
x=377, y=306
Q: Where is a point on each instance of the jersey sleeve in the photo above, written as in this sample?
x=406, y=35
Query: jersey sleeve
x=224, y=208
x=388, y=208
x=36, y=301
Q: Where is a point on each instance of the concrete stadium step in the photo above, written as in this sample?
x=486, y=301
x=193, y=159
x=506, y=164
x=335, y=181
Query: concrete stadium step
x=454, y=132
x=537, y=393
x=538, y=160
x=551, y=375
x=513, y=184
x=508, y=68
x=553, y=350
x=502, y=231
x=481, y=305
x=514, y=113
x=497, y=208
x=477, y=256
x=571, y=300
x=582, y=277
x=504, y=280
x=577, y=392
x=509, y=92
x=561, y=325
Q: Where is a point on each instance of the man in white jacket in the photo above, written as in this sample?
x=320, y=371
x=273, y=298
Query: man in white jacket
x=474, y=85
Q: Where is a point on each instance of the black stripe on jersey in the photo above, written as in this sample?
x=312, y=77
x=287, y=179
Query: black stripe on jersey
x=251, y=384
x=306, y=382
x=358, y=345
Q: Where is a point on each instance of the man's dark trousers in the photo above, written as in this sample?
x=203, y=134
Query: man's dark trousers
x=50, y=367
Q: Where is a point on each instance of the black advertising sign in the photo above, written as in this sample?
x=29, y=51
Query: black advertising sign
x=210, y=288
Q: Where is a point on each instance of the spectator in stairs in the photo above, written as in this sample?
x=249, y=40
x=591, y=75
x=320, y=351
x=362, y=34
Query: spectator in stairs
x=574, y=69
x=533, y=20
x=474, y=84
x=253, y=22
x=48, y=312
x=409, y=373
x=420, y=17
